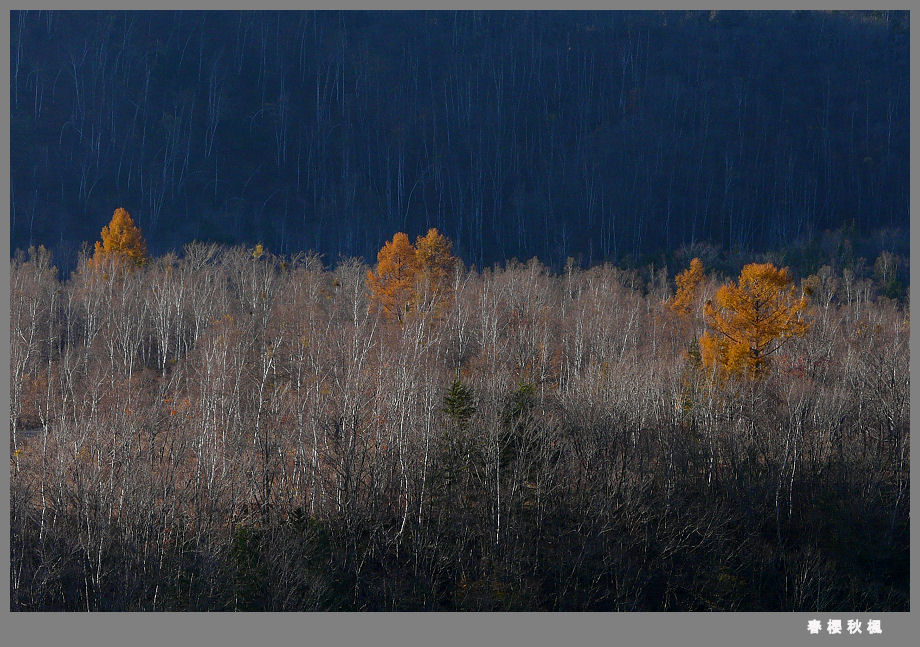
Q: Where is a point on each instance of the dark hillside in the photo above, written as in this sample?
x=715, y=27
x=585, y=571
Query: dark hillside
x=606, y=136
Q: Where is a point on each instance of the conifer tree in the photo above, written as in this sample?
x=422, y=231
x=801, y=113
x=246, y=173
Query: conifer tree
x=752, y=320
x=407, y=274
x=392, y=284
x=458, y=404
x=688, y=282
x=121, y=241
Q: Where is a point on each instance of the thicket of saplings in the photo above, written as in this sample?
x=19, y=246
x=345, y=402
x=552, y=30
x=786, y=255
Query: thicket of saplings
x=234, y=430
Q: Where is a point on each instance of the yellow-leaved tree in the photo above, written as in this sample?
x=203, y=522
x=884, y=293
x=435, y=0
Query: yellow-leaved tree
x=752, y=320
x=121, y=241
x=392, y=283
x=684, y=300
x=408, y=276
x=435, y=264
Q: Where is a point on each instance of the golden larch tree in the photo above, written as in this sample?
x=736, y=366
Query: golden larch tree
x=752, y=320
x=406, y=274
x=392, y=283
x=435, y=264
x=121, y=240
x=684, y=300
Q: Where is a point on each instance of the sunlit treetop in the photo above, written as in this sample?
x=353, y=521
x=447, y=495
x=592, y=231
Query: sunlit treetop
x=434, y=260
x=121, y=240
x=688, y=281
x=407, y=276
x=752, y=320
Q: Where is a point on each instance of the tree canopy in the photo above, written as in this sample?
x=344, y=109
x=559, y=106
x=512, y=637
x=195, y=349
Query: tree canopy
x=122, y=240
x=688, y=283
x=752, y=320
x=410, y=276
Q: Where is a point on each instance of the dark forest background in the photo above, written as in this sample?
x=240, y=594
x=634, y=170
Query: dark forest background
x=605, y=136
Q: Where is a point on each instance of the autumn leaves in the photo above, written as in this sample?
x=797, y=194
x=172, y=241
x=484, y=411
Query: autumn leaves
x=412, y=279
x=409, y=279
x=122, y=242
x=747, y=321
x=750, y=320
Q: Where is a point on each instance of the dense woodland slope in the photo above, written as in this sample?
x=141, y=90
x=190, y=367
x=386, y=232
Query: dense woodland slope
x=604, y=136
x=311, y=411
x=237, y=430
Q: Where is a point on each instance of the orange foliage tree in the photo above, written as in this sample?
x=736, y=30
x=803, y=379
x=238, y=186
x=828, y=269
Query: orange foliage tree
x=688, y=283
x=752, y=320
x=407, y=274
x=435, y=264
x=121, y=240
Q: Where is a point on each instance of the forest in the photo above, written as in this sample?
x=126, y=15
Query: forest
x=233, y=429
x=606, y=136
x=307, y=364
